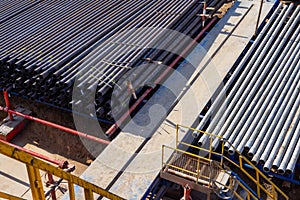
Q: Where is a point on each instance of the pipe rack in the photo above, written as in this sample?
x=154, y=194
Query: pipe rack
x=260, y=114
x=44, y=48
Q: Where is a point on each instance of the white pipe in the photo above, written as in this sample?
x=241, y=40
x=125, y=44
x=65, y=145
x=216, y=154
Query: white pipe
x=260, y=76
x=269, y=156
x=273, y=80
x=244, y=79
x=235, y=74
x=293, y=160
x=291, y=148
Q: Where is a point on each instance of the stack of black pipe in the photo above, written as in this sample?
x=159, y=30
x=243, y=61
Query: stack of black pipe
x=49, y=47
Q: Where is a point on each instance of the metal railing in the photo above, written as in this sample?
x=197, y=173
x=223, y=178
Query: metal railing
x=194, y=173
x=199, y=178
x=34, y=166
x=9, y=196
x=257, y=179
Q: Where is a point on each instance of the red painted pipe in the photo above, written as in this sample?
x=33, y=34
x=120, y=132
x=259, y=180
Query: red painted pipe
x=7, y=102
x=68, y=130
x=115, y=126
x=50, y=182
x=187, y=192
x=35, y=154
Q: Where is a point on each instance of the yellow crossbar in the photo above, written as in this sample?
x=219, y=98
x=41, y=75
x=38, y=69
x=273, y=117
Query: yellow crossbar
x=9, y=197
x=34, y=164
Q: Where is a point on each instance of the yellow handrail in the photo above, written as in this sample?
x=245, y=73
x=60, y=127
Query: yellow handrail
x=200, y=160
x=242, y=160
x=34, y=165
x=9, y=196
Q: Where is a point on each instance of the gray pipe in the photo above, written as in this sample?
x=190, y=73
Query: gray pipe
x=219, y=100
x=241, y=103
x=252, y=77
x=266, y=109
x=291, y=148
x=282, y=116
x=272, y=150
x=273, y=80
x=284, y=145
x=254, y=118
x=293, y=160
x=244, y=80
x=277, y=117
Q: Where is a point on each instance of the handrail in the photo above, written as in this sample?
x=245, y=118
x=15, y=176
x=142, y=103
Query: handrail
x=199, y=158
x=34, y=165
x=211, y=180
x=9, y=196
x=242, y=160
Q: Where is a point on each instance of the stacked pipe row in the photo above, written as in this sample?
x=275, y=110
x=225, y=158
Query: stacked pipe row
x=127, y=49
x=38, y=44
x=9, y=9
x=261, y=111
x=44, y=48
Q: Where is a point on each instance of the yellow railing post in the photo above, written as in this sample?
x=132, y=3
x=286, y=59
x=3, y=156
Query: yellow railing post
x=177, y=127
x=241, y=161
x=162, y=156
x=39, y=183
x=71, y=190
x=198, y=170
x=88, y=194
x=222, y=156
x=31, y=177
x=273, y=191
x=258, y=184
x=231, y=183
x=35, y=183
x=210, y=147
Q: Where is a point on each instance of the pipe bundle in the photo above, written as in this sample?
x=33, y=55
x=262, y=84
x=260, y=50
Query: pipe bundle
x=9, y=9
x=48, y=44
x=261, y=111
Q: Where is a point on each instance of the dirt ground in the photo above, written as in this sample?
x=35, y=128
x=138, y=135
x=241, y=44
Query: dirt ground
x=50, y=141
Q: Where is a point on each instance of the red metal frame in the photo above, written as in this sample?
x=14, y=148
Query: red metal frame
x=115, y=126
x=7, y=103
x=51, y=124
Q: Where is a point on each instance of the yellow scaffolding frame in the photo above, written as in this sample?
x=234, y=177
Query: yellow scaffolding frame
x=259, y=175
x=33, y=166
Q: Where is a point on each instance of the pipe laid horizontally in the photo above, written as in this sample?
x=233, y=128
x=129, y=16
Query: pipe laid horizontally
x=115, y=126
x=258, y=115
x=218, y=101
x=241, y=89
x=281, y=67
x=260, y=77
x=51, y=124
